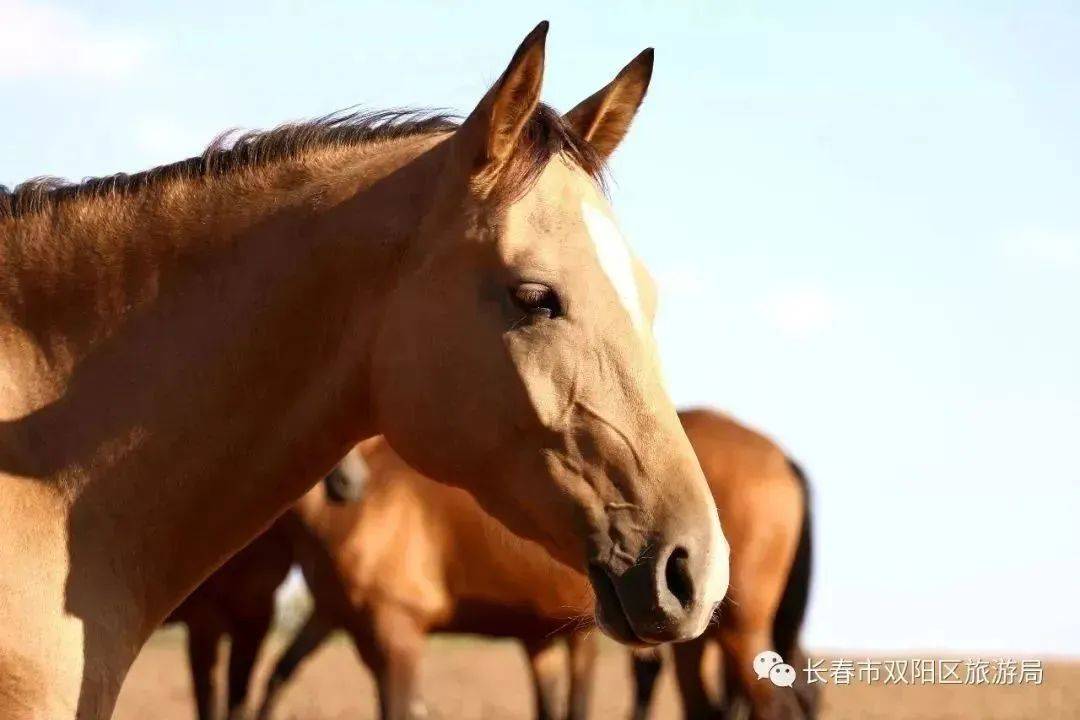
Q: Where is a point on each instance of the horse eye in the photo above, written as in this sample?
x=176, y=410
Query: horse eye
x=537, y=300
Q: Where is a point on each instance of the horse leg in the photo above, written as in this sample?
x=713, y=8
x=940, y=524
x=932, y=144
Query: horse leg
x=247, y=637
x=645, y=667
x=391, y=641
x=808, y=695
x=697, y=705
x=311, y=635
x=545, y=668
x=733, y=703
x=204, y=643
x=767, y=701
x=584, y=648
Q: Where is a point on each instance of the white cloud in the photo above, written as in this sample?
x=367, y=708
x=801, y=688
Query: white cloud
x=43, y=40
x=802, y=312
x=1043, y=248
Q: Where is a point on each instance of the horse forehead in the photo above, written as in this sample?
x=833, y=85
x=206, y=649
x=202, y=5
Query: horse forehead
x=546, y=221
x=554, y=200
x=616, y=260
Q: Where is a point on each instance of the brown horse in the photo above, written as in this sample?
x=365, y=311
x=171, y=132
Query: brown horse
x=764, y=501
x=184, y=351
x=416, y=557
x=237, y=602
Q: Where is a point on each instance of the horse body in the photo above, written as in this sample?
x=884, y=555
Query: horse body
x=429, y=548
x=414, y=557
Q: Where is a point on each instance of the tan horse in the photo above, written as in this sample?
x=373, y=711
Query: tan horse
x=416, y=557
x=183, y=352
x=237, y=602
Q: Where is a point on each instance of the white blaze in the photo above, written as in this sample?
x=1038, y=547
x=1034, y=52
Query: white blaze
x=616, y=260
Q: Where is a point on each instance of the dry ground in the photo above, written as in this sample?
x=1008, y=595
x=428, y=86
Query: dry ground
x=478, y=680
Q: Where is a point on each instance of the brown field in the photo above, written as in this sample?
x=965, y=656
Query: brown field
x=474, y=679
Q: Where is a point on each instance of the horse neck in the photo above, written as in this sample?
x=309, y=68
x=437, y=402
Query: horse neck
x=208, y=368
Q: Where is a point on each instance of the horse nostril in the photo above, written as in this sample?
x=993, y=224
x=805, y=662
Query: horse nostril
x=677, y=577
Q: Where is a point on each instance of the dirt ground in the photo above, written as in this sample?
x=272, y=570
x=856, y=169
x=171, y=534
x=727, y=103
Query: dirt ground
x=470, y=679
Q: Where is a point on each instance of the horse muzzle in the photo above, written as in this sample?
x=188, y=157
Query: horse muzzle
x=667, y=595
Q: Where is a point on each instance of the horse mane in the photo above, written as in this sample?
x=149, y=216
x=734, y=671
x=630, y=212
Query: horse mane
x=544, y=136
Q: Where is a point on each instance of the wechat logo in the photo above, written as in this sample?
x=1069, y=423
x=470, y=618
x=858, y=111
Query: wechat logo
x=769, y=664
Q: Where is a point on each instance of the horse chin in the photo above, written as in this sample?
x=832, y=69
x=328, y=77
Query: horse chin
x=609, y=613
x=620, y=631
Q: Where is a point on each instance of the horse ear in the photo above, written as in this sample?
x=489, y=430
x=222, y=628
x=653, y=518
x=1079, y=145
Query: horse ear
x=493, y=127
x=604, y=118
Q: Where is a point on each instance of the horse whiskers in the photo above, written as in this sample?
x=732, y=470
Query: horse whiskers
x=572, y=624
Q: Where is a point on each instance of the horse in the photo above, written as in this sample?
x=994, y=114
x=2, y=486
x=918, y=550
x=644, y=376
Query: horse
x=415, y=557
x=763, y=497
x=185, y=351
x=237, y=602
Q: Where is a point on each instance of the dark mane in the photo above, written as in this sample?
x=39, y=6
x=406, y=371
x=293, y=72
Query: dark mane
x=545, y=136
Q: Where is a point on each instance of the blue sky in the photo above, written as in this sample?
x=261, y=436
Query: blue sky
x=865, y=222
